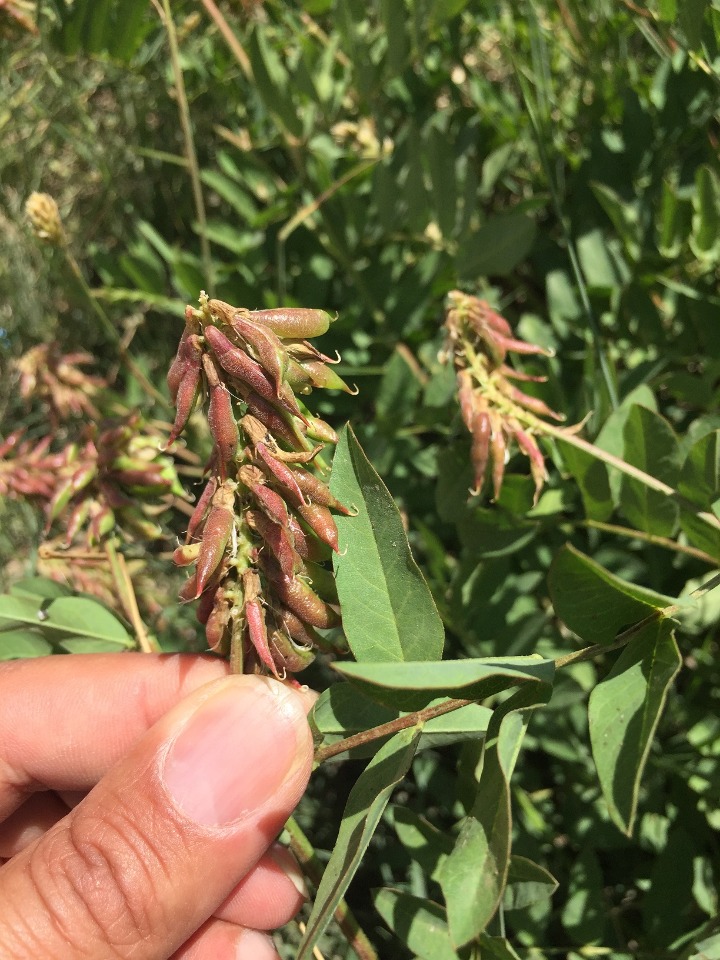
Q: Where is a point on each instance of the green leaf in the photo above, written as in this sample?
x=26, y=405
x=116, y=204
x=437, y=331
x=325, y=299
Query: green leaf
x=699, y=479
x=39, y=588
x=591, y=475
x=527, y=882
x=364, y=808
x=583, y=915
x=624, y=711
x=82, y=617
x=426, y=845
x=594, y=603
x=15, y=610
x=651, y=445
x=498, y=246
x=388, y=611
x=419, y=924
x=705, y=236
x=22, y=642
x=411, y=686
x=473, y=876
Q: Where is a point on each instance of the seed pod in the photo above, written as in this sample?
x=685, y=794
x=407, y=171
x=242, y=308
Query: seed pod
x=480, y=449
x=239, y=365
x=309, y=547
x=11, y=441
x=527, y=443
x=80, y=479
x=188, y=591
x=300, y=632
x=278, y=540
x=186, y=554
x=216, y=534
x=198, y=514
x=317, y=429
x=205, y=606
x=267, y=347
x=512, y=374
x=324, y=377
x=281, y=473
x=289, y=656
x=293, y=322
x=317, y=491
x=321, y=522
x=304, y=350
x=100, y=525
x=298, y=378
x=221, y=418
x=298, y=597
x=466, y=397
x=520, y=346
x=480, y=313
x=217, y=632
x=272, y=504
x=532, y=403
x=76, y=520
x=498, y=451
x=187, y=394
x=188, y=355
x=263, y=411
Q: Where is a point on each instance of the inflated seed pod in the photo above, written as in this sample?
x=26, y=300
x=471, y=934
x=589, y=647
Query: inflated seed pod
x=498, y=449
x=295, y=322
x=309, y=547
x=321, y=580
x=239, y=365
x=188, y=353
x=221, y=417
x=304, y=350
x=520, y=346
x=281, y=473
x=269, y=501
x=302, y=633
x=201, y=507
x=187, y=393
x=299, y=597
x=318, y=492
x=289, y=656
x=288, y=432
x=216, y=534
x=205, y=605
x=186, y=554
x=527, y=443
x=480, y=449
x=217, y=626
x=532, y=403
x=325, y=377
x=318, y=429
x=278, y=539
x=77, y=519
x=265, y=345
x=321, y=522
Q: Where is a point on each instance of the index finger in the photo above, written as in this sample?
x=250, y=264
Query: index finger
x=65, y=720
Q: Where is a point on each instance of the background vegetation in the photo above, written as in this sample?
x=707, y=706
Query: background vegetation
x=559, y=159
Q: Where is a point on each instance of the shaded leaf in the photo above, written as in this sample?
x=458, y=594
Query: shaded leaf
x=426, y=845
x=527, y=882
x=364, y=808
x=651, y=445
x=411, y=686
x=498, y=246
x=23, y=642
x=388, y=611
x=594, y=603
x=419, y=924
x=624, y=711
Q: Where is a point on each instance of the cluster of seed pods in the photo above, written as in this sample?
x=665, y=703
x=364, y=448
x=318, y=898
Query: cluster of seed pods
x=262, y=528
x=115, y=477
x=494, y=410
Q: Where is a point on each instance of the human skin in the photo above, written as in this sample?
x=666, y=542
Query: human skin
x=140, y=797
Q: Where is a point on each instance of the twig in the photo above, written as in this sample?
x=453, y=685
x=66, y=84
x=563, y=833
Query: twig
x=126, y=593
x=229, y=37
x=653, y=538
x=193, y=169
x=306, y=856
x=387, y=729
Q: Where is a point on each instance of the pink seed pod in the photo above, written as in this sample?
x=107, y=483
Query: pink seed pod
x=294, y=322
x=266, y=346
x=309, y=547
x=217, y=625
x=288, y=656
x=188, y=352
x=520, y=375
x=186, y=554
x=257, y=633
x=299, y=598
x=466, y=397
x=480, y=449
x=205, y=606
x=198, y=514
x=498, y=450
x=533, y=404
x=300, y=632
x=280, y=472
x=187, y=394
x=527, y=443
x=321, y=522
x=221, y=417
x=239, y=365
x=520, y=346
x=216, y=534
x=278, y=539
x=317, y=491
x=280, y=428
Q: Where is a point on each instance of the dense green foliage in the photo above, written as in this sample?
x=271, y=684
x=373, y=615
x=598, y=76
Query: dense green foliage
x=560, y=161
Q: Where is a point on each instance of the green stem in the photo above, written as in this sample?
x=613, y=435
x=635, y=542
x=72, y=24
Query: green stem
x=126, y=594
x=193, y=168
x=657, y=541
x=306, y=856
x=627, y=468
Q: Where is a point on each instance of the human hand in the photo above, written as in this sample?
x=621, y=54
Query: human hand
x=140, y=795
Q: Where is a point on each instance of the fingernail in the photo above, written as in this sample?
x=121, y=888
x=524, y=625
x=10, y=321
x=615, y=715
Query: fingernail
x=236, y=751
x=257, y=945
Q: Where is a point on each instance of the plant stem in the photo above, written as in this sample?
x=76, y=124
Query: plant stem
x=649, y=538
x=126, y=593
x=109, y=329
x=229, y=37
x=193, y=169
x=387, y=729
x=306, y=856
x=627, y=468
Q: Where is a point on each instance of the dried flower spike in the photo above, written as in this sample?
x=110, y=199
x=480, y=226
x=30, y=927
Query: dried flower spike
x=44, y=216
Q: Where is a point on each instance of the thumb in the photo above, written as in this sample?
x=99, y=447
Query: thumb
x=159, y=843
